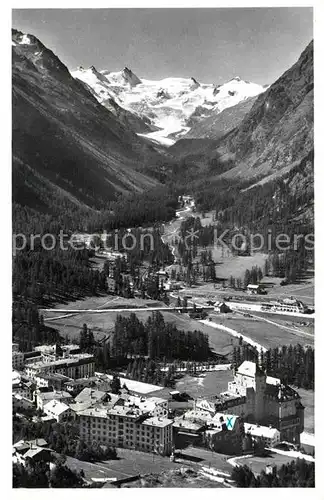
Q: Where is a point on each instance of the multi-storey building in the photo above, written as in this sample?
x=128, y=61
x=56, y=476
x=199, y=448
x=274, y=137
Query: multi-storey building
x=225, y=402
x=268, y=402
x=42, y=398
x=269, y=435
x=128, y=424
x=56, y=381
x=73, y=366
x=17, y=360
x=225, y=434
x=58, y=411
x=260, y=399
x=289, y=305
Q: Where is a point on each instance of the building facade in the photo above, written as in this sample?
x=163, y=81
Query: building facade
x=126, y=428
x=72, y=366
x=269, y=435
x=58, y=410
x=225, y=434
x=17, y=360
x=268, y=402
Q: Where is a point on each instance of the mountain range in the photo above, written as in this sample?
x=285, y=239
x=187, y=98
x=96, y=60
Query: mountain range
x=87, y=136
x=172, y=105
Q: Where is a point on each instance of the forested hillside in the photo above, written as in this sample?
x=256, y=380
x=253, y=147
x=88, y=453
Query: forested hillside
x=65, y=144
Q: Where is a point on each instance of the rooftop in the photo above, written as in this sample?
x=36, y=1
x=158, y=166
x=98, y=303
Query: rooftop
x=98, y=411
x=273, y=380
x=89, y=394
x=158, y=422
x=130, y=406
x=32, y=452
x=80, y=381
x=247, y=368
x=197, y=415
x=53, y=376
x=22, y=444
x=48, y=396
x=16, y=378
x=135, y=386
x=56, y=407
x=70, y=360
x=260, y=430
x=184, y=423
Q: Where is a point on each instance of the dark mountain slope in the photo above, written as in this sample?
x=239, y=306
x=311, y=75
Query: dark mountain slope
x=219, y=124
x=275, y=135
x=278, y=131
x=64, y=140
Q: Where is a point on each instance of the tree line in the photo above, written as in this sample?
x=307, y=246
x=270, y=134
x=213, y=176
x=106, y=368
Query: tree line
x=38, y=475
x=28, y=328
x=157, y=339
x=153, y=339
x=63, y=438
x=293, y=364
x=296, y=474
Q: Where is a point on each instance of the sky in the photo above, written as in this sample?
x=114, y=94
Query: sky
x=211, y=45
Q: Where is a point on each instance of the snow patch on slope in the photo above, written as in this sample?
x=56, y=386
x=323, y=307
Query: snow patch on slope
x=172, y=104
x=25, y=40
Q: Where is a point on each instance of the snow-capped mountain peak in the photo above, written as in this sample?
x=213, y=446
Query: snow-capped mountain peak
x=173, y=104
x=194, y=84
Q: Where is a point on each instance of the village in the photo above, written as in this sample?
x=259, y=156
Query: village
x=256, y=416
x=250, y=417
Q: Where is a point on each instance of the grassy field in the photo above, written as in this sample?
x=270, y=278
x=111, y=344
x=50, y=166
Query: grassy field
x=208, y=458
x=228, y=265
x=155, y=470
x=103, y=323
x=303, y=291
x=307, y=398
x=185, y=477
x=129, y=463
x=279, y=332
x=257, y=464
x=213, y=383
x=267, y=334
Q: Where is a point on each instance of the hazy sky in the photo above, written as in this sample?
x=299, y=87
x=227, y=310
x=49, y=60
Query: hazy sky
x=212, y=45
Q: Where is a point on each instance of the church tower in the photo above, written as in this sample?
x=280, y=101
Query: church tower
x=260, y=388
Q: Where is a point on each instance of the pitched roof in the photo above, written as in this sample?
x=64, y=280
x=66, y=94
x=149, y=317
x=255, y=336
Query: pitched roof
x=273, y=380
x=157, y=422
x=89, y=394
x=49, y=396
x=32, y=452
x=56, y=407
x=247, y=368
x=22, y=444
x=260, y=430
